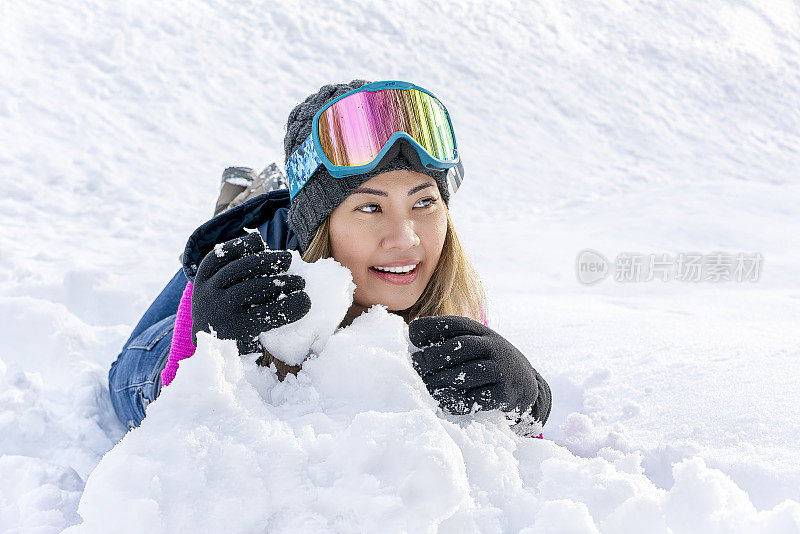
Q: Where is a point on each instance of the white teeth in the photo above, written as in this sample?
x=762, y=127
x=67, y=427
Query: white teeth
x=403, y=269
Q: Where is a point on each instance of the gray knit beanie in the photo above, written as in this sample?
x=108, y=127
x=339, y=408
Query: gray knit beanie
x=323, y=193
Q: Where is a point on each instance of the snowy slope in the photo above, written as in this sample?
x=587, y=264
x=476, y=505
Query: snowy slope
x=619, y=126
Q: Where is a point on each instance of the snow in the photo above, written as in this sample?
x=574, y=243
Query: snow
x=355, y=443
x=620, y=127
x=242, y=182
x=330, y=287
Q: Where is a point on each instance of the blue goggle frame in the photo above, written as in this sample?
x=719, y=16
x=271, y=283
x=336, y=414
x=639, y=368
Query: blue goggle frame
x=309, y=155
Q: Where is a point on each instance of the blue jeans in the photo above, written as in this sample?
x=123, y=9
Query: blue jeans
x=134, y=379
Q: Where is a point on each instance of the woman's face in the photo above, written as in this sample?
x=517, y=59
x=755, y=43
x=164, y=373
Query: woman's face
x=396, y=219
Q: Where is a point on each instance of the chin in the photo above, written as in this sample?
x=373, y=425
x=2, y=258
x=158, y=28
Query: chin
x=402, y=305
x=391, y=304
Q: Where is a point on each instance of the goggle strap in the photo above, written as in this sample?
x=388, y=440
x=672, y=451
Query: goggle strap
x=301, y=165
x=455, y=175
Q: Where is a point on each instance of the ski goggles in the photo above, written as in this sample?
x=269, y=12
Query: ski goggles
x=353, y=133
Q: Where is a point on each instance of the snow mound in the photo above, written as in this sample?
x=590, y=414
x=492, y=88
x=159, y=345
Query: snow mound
x=355, y=443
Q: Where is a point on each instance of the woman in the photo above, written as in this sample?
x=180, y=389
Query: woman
x=367, y=170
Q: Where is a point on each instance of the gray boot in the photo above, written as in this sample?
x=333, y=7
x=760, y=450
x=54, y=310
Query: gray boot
x=243, y=184
x=235, y=180
x=272, y=178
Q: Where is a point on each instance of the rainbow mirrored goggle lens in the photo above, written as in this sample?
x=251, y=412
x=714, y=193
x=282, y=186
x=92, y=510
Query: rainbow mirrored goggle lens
x=354, y=130
x=352, y=134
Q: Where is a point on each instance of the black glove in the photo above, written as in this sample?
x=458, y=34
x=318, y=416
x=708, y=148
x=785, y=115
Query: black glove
x=464, y=362
x=240, y=290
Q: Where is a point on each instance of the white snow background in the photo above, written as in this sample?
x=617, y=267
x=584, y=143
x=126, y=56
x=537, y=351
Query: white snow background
x=649, y=127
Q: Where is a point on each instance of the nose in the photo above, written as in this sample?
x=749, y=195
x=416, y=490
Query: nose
x=401, y=234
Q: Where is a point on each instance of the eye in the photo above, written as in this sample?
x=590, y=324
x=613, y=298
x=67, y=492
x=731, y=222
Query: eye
x=429, y=200
x=365, y=208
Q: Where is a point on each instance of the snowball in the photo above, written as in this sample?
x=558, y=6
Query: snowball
x=330, y=287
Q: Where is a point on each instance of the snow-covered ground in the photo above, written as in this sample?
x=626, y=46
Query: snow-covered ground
x=622, y=127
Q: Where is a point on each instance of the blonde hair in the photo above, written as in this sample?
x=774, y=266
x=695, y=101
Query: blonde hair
x=454, y=288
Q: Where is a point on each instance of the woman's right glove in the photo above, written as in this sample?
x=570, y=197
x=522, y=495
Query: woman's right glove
x=463, y=363
x=241, y=289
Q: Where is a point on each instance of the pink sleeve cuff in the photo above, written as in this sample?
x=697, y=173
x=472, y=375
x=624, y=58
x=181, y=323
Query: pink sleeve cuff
x=181, y=346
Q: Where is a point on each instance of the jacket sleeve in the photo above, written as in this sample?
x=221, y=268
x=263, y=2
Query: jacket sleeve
x=181, y=346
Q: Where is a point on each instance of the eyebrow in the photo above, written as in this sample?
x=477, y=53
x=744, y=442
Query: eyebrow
x=370, y=191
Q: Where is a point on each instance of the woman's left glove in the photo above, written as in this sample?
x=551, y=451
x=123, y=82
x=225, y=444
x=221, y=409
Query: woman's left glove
x=463, y=362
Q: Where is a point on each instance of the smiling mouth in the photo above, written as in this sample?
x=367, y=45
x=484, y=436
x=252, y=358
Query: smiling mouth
x=398, y=279
x=412, y=271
